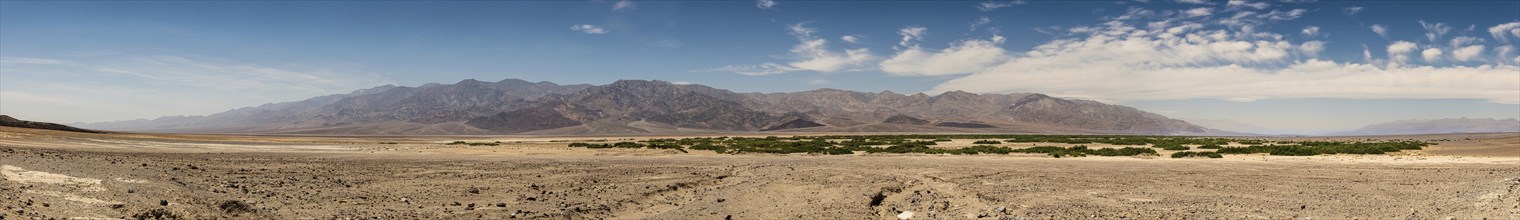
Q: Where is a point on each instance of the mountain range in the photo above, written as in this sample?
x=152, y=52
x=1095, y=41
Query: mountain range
x=515, y=106
x=1439, y=126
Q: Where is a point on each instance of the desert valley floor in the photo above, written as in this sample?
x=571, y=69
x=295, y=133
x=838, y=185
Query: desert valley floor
x=50, y=174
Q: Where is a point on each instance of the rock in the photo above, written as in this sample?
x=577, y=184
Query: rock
x=905, y=215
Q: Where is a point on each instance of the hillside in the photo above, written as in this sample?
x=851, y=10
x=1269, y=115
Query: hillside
x=8, y=121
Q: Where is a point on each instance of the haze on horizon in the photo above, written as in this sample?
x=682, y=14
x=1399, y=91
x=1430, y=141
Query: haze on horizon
x=1300, y=67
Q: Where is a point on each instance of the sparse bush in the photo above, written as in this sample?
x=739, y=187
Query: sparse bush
x=987, y=142
x=1196, y=154
x=235, y=207
x=157, y=214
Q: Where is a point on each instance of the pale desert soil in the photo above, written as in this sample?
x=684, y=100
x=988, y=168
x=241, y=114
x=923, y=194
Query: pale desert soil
x=54, y=174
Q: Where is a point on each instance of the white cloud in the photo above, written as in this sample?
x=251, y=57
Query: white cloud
x=1434, y=31
x=764, y=69
x=1431, y=54
x=623, y=5
x=1285, y=15
x=850, y=38
x=962, y=57
x=1464, y=41
x=1398, y=52
x=1503, y=53
x=1311, y=31
x=979, y=22
x=588, y=29
x=1198, y=12
x=1499, y=31
x=1380, y=30
x=1125, y=60
x=1353, y=10
x=1468, y=53
x=1236, y=4
x=1194, y=1
x=911, y=34
x=994, y=5
x=1312, y=47
x=811, y=54
x=765, y=4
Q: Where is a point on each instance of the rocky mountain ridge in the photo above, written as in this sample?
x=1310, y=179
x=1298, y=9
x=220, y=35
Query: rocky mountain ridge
x=650, y=106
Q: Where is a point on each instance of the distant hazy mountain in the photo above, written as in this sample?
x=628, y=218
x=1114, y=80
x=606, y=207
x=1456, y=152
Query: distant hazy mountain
x=638, y=106
x=1439, y=126
x=8, y=121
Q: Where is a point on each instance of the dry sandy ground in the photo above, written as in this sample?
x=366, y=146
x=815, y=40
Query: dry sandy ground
x=66, y=175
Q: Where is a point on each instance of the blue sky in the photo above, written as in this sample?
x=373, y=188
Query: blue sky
x=1283, y=66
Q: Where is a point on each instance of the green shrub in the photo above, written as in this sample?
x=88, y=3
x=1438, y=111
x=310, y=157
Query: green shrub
x=1196, y=154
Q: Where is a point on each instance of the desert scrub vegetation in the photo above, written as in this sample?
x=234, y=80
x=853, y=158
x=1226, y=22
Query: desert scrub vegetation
x=1310, y=148
x=627, y=144
x=1184, y=154
x=474, y=144
x=985, y=144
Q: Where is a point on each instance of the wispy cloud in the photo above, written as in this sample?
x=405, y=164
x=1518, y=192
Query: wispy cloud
x=588, y=29
x=765, y=4
x=910, y=35
x=984, y=20
x=1499, y=31
x=1311, y=31
x=995, y=5
x=1381, y=30
x=850, y=39
x=1201, y=2
x=1239, y=4
x=1198, y=12
x=624, y=5
x=1353, y=10
x=1434, y=31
